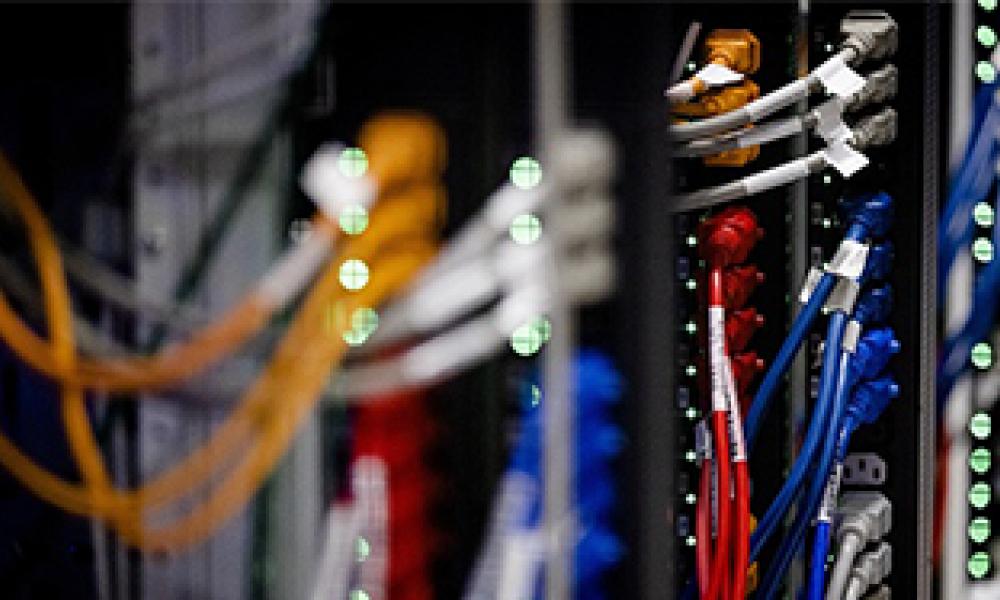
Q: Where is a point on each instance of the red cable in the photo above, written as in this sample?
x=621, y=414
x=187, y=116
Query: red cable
x=741, y=560
x=703, y=528
x=720, y=429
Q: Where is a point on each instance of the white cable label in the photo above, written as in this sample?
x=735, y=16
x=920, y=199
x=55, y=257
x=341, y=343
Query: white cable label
x=812, y=280
x=851, y=336
x=715, y=74
x=839, y=79
x=682, y=92
x=844, y=158
x=830, y=494
x=717, y=356
x=830, y=124
x=849, y=260
x=738, y=446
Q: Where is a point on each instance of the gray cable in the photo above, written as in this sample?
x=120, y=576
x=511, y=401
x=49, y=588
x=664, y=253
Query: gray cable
x=794, y=170
x=758, y=109
x=854, y=589
x=850, y=546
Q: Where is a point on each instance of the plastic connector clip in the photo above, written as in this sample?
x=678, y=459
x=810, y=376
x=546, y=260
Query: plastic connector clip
x=874, y=305
x=740, y=327
x=874, y=211
x=873, y=34
x=879, y=262
x=870, y=399
x=880, y=85
x=745, y=367
x=876, y=130
x=739, y=49
x=874, y=566
x=738, y=283
x=874, y=350
x=728, y=237
x=867, y=515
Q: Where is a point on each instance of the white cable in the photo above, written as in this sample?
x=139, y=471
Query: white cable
x=587, y=278
x=764, y=106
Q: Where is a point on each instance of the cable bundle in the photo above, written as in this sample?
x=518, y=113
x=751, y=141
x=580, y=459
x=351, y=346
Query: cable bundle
x=407, y=155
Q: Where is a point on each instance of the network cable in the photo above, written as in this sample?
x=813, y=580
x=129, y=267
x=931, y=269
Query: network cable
x=874, y=130
x=866, y=216
x=880, y=85
x=869, y=37
x=246, y=476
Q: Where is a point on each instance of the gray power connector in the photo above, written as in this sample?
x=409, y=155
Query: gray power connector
x=866, y=514
x=876, y=130
x=880, y=85
x=873, y=34
x=872, y=567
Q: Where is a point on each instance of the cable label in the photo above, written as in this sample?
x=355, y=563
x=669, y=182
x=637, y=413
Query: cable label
x=830, y=124
x=839, y=79
x=844, y=158
x=830, y=494
x=738, y=446
x=849, y=260
x=715, y=74
x=812, y=280
x=717, y=356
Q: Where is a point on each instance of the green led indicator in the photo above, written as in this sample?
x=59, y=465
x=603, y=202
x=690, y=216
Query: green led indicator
x=525, y=173
x=362, y=549
x=983, y=214
x=979, y=565
x=979, y=460
x=827, y=223
x=691, y=370
x=691, y=66
x=691, y=456
x=979, y=530
x=988, y=4
x=691, y=284
x=979, y=495
x=986, y=71
x=359, y=594
x=827, y=180
x=690, y=498
x=353, y=219
x=980, y=426
x=982, y=250
x=982, y=355
x=353, y=274
x=353, y=162
x=691, y=541
x=364, y=322
x=525, y=229
x=691, y=327
x=692, y=241
x=986, y=36
x=691, y=413
x=526, y=340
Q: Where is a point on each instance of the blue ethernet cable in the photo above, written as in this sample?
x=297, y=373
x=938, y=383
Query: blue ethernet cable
x=971, y=183
x=976, y=327
x=874, y=348
x=840, y=372
x=832, y=392
x=867, y=216
x=867, y=404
